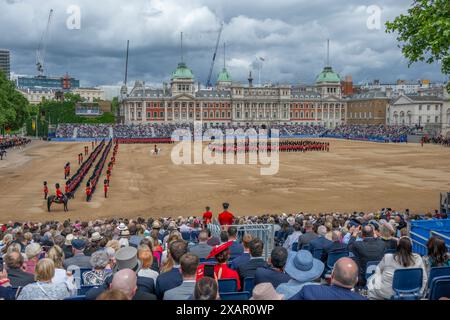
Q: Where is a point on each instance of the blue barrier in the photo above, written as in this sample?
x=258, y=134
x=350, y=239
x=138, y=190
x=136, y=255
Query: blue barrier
x=422, y=230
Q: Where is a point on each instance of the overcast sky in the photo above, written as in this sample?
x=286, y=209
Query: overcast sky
x=290, y=35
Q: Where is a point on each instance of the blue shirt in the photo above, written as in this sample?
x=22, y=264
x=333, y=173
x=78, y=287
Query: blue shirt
x=326, y=292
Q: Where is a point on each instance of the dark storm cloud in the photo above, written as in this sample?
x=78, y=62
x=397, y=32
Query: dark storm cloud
x=290, y=35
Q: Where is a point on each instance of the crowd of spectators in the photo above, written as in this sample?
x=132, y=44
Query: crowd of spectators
x=180, y=259
x=388, y=133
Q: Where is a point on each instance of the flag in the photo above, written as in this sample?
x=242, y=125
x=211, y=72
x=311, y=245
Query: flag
x=262, y=59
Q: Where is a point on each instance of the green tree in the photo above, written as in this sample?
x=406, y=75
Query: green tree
x=424, y=33
x=14, y=107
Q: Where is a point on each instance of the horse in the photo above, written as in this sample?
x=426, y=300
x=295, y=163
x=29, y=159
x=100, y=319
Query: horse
x=156, y=152
x=2, y=154
x=54, y=199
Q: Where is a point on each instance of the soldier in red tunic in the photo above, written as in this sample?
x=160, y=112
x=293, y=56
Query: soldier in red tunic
x=45, y=190
x=88, y=190
x=59, y=193
x=67, y=170
x=105, y=187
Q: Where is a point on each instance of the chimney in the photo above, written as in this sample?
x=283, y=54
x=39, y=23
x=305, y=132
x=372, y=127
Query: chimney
x=388, y=92
x=250, y=79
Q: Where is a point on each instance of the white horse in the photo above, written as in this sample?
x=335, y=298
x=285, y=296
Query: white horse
x=156, y=152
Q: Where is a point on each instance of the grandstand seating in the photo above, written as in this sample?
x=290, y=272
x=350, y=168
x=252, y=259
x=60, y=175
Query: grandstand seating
x=249, y=284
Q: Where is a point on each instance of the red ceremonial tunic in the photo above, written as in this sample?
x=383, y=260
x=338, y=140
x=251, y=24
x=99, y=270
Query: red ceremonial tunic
x=207, y=217
x=226, y=218
x=59, y=193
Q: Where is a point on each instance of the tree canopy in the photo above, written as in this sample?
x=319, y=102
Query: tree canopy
x=14, y=107
x=424, y=33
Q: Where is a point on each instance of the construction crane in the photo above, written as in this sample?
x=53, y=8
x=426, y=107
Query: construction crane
x=208, y=83
x=40, y=52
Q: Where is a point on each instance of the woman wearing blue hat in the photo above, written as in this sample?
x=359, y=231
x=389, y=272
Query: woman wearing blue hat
x=303, y=269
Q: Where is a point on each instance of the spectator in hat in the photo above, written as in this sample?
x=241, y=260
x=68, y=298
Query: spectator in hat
x=125, y=280
x=79, y=258
x=248, y=269
x=13, y=262
x=265, y=291
x=44, y=288
x=188, y=267
x=67, y=247
x=221, y=270
x=201, y=249
x=99, y=260
x=308, y=236
x=321, y=242
x=94, y=243
x=236, y=248
x=32, y=251
x=172, y=278
x=206, y=289
x=369, y=249
x=293, y=237
x=344, y=277
x=303, y=269
x=275, y=273
x=226, y=217
x=245, y=256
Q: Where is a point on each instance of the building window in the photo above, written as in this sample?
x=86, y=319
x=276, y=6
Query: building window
x=148, y=114
x=428, y=107
x=420, y=107
x=155, y=114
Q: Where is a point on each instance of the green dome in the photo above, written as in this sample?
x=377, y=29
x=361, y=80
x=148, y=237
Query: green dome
x=182, y=71
x=328, y=75
x=224, y=76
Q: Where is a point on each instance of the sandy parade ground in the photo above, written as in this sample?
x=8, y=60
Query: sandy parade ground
x=353, y=176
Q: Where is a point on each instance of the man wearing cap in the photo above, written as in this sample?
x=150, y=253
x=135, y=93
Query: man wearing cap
x=226, y=217
x=221, y=270
x=303, y=269
x=94, y=244
x=67, y=247
x=79, y=258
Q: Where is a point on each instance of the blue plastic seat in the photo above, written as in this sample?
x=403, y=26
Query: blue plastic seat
x=437, y=272
x=407, y=284
x=76, y=298
x=335, y=256
x=440, y=287
x=249, y=284
x=371, y=267
x=227, y=285
x=244, y=295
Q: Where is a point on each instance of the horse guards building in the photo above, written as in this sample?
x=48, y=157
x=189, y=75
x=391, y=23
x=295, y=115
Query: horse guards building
x=231, y=103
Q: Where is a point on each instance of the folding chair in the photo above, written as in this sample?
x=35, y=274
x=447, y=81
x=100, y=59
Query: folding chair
x=407, y=284
x=440, y=288
x=227, y=285
x=76, y=298
x=249, y=284
x=371, y=267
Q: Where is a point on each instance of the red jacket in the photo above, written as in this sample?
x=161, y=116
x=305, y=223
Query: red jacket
x=222, y=271
x=226, y=218
x=207, y=217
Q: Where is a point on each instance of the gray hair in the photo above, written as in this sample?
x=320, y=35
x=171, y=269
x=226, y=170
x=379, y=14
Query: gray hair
x=322, y=230
x=99, y=260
